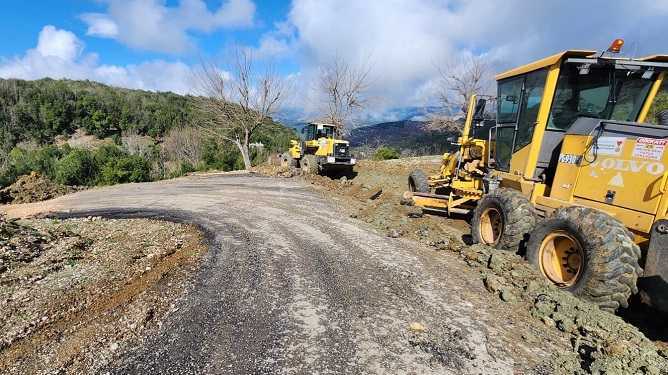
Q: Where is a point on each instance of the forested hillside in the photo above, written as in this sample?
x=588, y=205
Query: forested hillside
x=138, y=135
x=408, y=138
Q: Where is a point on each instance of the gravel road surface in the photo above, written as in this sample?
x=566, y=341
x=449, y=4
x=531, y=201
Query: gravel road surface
x=293, y=285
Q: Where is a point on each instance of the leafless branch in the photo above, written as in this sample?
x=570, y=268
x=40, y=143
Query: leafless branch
x=459, y=79
x=341, y=89
x=236, y=98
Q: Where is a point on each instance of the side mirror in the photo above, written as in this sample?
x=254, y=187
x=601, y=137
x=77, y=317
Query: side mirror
x=303, y=130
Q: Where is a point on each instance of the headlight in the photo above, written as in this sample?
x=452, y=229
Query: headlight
x=353, y=161
x=331, y=159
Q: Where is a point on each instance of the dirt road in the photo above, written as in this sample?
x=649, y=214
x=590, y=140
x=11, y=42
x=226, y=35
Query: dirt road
x=292, y=284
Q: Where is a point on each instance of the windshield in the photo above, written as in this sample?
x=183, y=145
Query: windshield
x=600, y=92
x=324, y=131
x=317, y=131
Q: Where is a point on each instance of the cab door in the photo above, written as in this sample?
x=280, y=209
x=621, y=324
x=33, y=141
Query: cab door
x=519, y=99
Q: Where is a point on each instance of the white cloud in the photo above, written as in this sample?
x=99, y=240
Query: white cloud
x=59, y=54
x=59, y=43
x=100, y=25
x=160, y=75
x=402, y=38
x=232, y=13
x=405, y=38
x=151, y=25
x=281, y=42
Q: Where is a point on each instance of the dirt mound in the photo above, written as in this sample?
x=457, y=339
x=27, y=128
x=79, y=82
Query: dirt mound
x=33, y=188
x=70, y=291
x=604, y=343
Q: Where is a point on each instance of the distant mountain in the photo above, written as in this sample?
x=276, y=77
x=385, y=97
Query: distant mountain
x=294, y=117
x=386, y=132
x=412, y=113
x=408, y=137
x=291, y=117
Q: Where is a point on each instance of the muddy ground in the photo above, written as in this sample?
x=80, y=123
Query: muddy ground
x=60, y=278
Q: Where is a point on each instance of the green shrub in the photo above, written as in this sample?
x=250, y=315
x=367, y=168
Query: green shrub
x=131, y=168
x=76, y=168
x=386, y=153
x=22, y=161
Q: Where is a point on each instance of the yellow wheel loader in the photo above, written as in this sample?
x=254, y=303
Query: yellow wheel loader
x=319, y=152
x=571, y=174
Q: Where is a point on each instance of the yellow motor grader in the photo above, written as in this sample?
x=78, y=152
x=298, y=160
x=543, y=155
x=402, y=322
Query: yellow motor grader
x=319, y=152
x=570, y=174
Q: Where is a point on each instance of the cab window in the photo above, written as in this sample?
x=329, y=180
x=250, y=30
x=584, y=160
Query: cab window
x=533, y=95
x=508, y=100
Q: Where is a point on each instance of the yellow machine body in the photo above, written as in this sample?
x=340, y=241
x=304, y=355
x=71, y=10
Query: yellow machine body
x=571, y=183
x=320, y=151
x=570, y=131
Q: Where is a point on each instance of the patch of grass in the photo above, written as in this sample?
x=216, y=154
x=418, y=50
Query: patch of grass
x=8, y=292
x=71, y=226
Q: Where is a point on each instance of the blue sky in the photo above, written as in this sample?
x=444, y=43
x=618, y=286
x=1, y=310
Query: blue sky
x=153, y=44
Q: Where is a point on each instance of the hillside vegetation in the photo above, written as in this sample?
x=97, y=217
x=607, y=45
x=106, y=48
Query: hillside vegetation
x=131, y=135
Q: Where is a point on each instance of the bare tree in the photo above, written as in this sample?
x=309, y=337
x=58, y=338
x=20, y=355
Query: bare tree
x=341, y=89
x=459, y=79
x=183, y=144
x=134, y=143
x=236, y=98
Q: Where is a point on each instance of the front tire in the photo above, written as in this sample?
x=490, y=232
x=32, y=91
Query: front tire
x=417, y=181
x=588, y=253
x=310, y=164
x=503, y=219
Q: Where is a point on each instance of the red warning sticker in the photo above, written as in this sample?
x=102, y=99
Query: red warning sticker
x=649, y=148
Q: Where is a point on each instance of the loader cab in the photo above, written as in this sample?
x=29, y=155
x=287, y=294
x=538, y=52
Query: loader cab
x=314, y=131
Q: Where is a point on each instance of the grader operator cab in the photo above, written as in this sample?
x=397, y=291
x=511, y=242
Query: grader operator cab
x=320, y=152
x=570, y=174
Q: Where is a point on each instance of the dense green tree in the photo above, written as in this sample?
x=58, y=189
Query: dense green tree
x=34, y=113
x=386, y=153
x=76, y=168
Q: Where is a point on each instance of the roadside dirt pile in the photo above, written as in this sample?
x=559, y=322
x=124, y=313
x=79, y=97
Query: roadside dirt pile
x=84, y=288
x=604, y=343
x=33, y=188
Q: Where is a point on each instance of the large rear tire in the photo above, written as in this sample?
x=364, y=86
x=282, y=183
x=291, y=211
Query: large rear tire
x=286, y=160
x=417, y=181
x=310, y=164
x=588, y=253
x=503, y=219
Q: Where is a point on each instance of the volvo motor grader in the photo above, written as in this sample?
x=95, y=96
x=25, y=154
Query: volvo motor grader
x=571, y=173
x=319, y=152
